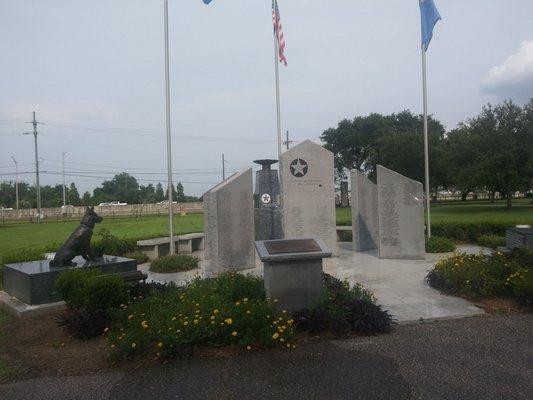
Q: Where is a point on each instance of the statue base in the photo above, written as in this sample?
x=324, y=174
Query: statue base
x=32, y=282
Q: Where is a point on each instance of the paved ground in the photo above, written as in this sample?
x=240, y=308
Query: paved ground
x=484, y=357
x=398, y=284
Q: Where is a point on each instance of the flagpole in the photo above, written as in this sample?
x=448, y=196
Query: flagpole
x=426, y=156
x=278, y=106
x=169, y=139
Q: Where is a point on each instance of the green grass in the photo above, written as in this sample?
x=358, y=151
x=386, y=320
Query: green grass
x=4, y=370
x=478, y=211
x=23, y=235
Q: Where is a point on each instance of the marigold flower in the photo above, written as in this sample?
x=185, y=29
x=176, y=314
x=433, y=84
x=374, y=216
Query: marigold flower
x=173, y=318
x=195, y=321
x=133, y=345
x=245, y=299
x=234, y=333
x=275, y=336
x=215, y=311
x=248, y=312
x=186, y=323
x=144, y=324
x=106, y=329
x=248, y=347
x=130, y=316
x=160, y=344
x=228, y=321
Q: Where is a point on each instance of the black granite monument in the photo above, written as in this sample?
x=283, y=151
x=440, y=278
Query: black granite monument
x=266, y=205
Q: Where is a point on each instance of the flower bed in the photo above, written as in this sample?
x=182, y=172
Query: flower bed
x=482, y=276
x=174, y=263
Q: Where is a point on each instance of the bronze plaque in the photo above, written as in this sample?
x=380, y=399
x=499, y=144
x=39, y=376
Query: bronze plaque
x=291, y=246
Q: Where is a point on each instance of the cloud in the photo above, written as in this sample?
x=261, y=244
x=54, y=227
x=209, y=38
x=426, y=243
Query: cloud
x=514, y=77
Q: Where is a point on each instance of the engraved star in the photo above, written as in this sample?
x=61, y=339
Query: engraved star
x=298, y=169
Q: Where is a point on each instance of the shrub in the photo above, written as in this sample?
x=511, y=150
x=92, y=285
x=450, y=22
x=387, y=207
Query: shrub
x=468, y=231
x=137, y=255
x=107, y=243
x=437, y=244
x=492, y=241
x=473, y=275
x=174, y=263
x=204, y=312
x=522, y=255
x=83, y=324
x=88, y=289
x=522, y=286
x=345, y=309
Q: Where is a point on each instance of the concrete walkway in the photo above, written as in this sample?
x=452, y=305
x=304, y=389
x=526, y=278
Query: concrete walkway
x=398, y=284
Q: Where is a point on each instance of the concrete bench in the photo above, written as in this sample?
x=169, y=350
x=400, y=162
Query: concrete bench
x=344, y=231
x=185, y=244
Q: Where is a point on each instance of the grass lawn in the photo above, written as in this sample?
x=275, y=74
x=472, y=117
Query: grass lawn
x=471, y=211
x=21, y=235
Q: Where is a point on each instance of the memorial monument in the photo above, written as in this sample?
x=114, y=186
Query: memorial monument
x=364, y=204
x=229, y=224
x=400, y=216
x=266, y=204
x=308, y=193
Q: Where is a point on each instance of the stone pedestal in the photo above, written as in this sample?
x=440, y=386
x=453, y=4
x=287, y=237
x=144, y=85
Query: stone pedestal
x=293, y=279
x=400, y=216
x=364, y=212
x=308, y=192
x=229, y=224
x=32, y=282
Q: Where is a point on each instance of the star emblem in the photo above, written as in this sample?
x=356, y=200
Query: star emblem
x=299, y=167
x=265, y=198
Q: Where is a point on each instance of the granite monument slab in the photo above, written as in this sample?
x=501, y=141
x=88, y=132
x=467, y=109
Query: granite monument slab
x=229, y=224
x=308, y=208
x=364, y=204
x=400, y=216
x=266, y=208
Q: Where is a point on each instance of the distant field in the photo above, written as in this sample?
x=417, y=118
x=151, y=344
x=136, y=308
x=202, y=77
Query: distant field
x=480, y=211
x=20, y=235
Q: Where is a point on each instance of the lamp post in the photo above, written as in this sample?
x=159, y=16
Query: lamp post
x=16, y=182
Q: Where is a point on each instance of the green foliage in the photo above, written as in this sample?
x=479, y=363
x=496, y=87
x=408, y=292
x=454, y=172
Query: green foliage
x=492, y=241
x=137, y=255
x=475, y=275
x=345, y=309
x=205, y=312
x=467, y=231
x=174, y=263
x=436, y=244
x=522, y=286
x=27, y=254
x=111, y=244
x=83, y=324
x=87, y=289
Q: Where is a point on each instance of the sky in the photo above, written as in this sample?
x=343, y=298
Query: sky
x=93, y=71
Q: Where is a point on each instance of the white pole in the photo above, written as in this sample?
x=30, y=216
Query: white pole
x=169, y=139
x=64, y=192
x=278, y=106
x=426, y=156
x=16, y=182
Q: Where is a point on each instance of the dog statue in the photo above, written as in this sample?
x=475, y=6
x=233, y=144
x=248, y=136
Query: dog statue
x=79, y=242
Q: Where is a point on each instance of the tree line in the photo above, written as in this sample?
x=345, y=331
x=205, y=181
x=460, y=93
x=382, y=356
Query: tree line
x=123, y=187
x=491, y=152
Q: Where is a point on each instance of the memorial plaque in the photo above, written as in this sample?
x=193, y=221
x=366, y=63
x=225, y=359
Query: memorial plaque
x=291, y=246
x=309, y=193
x=400, y=216
x=364, y=212
x=229, y=224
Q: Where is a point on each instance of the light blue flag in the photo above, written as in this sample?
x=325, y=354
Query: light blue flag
x=429, y=17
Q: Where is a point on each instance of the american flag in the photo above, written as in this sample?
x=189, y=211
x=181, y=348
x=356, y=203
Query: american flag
x=278, y=31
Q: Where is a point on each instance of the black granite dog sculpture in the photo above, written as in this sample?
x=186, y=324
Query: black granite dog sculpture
x=79, y=242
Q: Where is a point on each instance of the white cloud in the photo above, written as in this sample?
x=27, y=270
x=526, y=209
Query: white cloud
x=514, y=77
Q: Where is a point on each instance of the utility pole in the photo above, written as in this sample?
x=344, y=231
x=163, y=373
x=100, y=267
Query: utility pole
x=287, y=142
x=38, y=186
x=223, y=168
x=64, y=191
x=16, y=181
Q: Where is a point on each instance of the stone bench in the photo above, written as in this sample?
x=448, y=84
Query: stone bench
x=185, y=244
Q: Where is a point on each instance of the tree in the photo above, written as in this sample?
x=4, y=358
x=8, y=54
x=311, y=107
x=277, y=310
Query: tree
x=180, y=194
x=159, y=193
x=123, y=187
x=86, y=199
x=72, y=195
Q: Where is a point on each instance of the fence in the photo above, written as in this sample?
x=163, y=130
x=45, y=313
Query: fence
x=136, y=210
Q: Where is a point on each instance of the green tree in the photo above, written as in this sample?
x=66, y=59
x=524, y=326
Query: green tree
x=86, y=200
x=72, y=195
x=123, y=187
x=159, y=193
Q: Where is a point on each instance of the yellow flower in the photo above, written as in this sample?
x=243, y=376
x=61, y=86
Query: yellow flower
x=284, y=311
x=160, y=344
x=144, y=324
x=133, y=345
x=234, y=333
x=228, y=321
x=288, y=345
x=248, y=312
x=245, y=299
x=275, y=300
x=281, y=340
x=106, y=329
x=275, y=336
x=238, y=303
x=130, y=316
x=248, y=347
x=212, y=317
x=215, y=311
x=173, y=318
x=213, y=323
x=112, y=346
x=186, y=323
x=195, y=321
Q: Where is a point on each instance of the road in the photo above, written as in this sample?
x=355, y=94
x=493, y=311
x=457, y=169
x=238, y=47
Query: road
x=488, y=357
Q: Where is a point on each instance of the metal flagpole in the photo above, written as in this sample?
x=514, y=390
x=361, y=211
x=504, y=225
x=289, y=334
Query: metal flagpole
x=16, y=182
x=169, y=139
x=64, y=191
x=426, y=157
x=278, y=107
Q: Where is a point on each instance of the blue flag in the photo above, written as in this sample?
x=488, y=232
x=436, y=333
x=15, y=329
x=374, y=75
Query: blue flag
x=429, y=17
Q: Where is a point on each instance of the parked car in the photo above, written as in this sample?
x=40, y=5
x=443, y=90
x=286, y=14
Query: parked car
x=166, y=202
